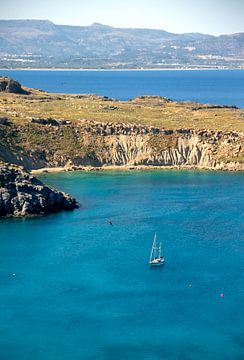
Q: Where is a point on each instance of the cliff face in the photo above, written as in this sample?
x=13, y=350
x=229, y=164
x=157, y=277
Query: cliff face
x=9, y=85
x=179, y=148
x=21, y=194
x=54, y=130
x=98, y=144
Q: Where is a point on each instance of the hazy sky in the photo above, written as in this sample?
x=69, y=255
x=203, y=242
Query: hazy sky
x=207, y=16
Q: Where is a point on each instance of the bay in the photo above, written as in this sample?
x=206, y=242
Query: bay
x=206, y=86
x=75, y=287
x=83, y=289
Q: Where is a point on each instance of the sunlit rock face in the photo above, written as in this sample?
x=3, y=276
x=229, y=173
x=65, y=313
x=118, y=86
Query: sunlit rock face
x=21, y=194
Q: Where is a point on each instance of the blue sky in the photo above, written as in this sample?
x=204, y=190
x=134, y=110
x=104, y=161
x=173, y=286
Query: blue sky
x=206, y=16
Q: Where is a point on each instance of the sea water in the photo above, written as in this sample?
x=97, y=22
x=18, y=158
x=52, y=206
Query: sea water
x=74, y=287
x=206, y=86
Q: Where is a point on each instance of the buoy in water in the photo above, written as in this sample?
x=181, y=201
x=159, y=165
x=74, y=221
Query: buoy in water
x=13, y=274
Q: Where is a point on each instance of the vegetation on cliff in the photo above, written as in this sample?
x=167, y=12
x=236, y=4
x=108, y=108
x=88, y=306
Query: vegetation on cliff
x=48, y=130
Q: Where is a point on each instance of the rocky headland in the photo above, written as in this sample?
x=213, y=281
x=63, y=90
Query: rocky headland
x=21, y=194
x=42, y=130
x=9, y=85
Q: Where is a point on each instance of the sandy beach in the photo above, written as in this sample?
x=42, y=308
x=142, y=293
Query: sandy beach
x=127, y=168
x=106, y=168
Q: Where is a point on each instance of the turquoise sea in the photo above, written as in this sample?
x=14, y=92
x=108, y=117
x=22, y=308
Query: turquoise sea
x=74, y=287
x=207, y=86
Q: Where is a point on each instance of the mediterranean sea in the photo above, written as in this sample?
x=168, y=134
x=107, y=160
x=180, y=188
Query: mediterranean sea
x=75, y=287
x=225, y=87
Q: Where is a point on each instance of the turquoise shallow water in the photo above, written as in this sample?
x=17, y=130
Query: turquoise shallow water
x=83, y=289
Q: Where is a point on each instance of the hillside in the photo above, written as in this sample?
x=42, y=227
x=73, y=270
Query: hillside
x=39, y=130
x=42, y=44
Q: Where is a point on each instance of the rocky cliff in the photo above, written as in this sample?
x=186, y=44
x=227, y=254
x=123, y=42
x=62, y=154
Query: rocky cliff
x=135, y=145
x=21, y=194
x=100, y=144
x=9, y=85
x=41, y=130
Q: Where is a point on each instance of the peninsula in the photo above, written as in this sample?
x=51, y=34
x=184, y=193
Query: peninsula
x=40, y=130
x=21, y=194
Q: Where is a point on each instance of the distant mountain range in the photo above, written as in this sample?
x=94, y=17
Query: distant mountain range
x=42, y=44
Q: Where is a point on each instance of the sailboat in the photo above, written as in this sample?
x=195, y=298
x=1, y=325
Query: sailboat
x=156, y=258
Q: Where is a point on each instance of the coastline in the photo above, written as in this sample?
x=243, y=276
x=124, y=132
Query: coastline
x=117, y=70
x=49, y=170
x=110, y=142
x=53, y=170
x=106, y=168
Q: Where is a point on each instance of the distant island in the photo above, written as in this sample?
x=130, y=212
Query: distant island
x=33, y=44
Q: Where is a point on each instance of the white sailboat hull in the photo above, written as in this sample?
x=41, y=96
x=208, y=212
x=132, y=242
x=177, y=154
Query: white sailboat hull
x=157, y=262
x=156, y=259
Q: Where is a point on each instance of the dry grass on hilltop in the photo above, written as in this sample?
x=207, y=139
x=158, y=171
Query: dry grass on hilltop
x=153, y=111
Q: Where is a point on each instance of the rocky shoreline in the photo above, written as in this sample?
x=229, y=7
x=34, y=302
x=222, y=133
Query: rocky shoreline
x=46, y=170
x=22, y=195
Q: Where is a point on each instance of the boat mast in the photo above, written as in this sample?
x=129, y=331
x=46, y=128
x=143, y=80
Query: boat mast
x=153, y=251
x=155, y=246
x=160, y=249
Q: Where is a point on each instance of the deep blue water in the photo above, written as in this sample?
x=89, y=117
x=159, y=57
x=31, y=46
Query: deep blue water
x=207, y=86
x=83, y=289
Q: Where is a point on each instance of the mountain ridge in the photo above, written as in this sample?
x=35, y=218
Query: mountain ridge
x=98, y=24
x=43, y=44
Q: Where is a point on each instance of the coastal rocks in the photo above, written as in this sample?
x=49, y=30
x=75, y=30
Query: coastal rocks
x=206, y=107
x=9, y=85
x=4, y=121
x=50, y=121
x=104, y=129
x=21, y=194
x=151, y=100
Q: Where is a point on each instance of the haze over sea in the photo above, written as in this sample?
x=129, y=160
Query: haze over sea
x=74, y=287
x=207, y=86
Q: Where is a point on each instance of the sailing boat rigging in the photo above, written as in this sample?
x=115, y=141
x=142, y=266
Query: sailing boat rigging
x=156, y=258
